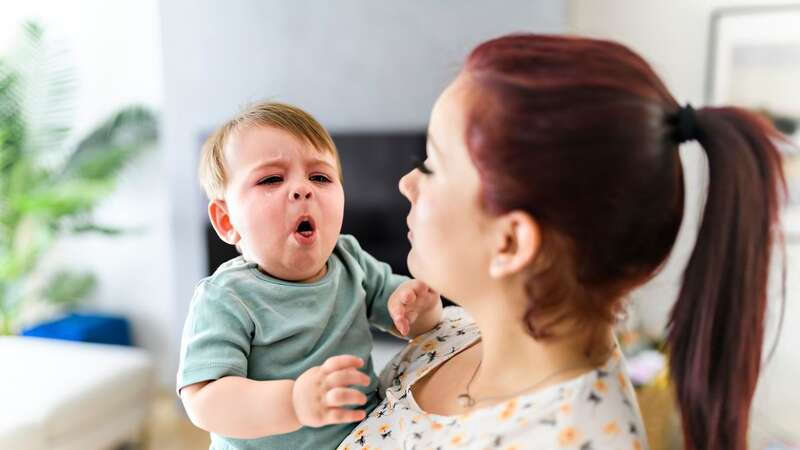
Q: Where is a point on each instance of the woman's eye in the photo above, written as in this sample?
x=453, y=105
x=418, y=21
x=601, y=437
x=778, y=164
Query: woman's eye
x=420, y=165
x=320, y=178
x=272, y=179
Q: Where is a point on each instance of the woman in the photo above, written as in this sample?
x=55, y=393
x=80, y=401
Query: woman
x=552, y=188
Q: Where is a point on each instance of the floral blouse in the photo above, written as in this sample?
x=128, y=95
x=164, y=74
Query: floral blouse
x=594, y=411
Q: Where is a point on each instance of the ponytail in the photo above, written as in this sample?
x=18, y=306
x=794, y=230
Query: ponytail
x=716, y=329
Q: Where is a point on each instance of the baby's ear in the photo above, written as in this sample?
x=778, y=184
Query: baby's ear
x=221, y=221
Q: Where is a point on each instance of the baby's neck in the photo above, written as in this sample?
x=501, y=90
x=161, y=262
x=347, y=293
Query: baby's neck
x=316, y=277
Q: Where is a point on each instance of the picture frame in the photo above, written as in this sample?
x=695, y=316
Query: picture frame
x=754, y=63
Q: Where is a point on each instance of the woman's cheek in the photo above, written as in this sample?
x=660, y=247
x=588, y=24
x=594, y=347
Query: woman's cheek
x=429, y=221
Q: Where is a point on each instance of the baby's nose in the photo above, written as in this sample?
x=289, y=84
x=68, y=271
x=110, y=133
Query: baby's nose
x=301, y=192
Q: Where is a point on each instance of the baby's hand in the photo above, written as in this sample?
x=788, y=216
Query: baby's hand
x=411, y=300
x=320, y=393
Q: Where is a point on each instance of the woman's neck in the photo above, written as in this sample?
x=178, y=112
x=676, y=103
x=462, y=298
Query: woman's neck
x=510, y=358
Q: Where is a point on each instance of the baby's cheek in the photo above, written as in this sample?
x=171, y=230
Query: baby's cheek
x=332, y=205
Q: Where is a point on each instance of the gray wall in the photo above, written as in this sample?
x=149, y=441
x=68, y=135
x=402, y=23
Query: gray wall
x=354, y=64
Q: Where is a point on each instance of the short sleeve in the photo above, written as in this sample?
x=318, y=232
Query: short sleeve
x=379, y=283
x=216, y=337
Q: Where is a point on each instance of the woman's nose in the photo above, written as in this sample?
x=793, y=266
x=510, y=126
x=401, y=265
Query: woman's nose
x=406, y=186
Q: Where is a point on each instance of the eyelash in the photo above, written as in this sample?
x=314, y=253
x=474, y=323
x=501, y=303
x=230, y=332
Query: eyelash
x=324, y=179
x=419, y=164
x=273, y=179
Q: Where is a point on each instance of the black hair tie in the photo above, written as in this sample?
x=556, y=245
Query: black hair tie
x=684, y=125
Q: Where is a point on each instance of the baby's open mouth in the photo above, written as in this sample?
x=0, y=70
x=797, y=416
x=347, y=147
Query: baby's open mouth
x=305, y=227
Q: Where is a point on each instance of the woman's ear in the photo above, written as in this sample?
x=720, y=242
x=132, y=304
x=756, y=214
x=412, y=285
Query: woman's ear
x=221, y=221
x=517, y=242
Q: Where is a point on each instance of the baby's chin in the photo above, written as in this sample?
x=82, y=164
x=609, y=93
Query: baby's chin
x=294, y=263
x=304, y=271
x=311, y=276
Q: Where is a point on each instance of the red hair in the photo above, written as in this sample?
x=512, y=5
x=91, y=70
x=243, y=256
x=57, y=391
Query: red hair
x=578, y=133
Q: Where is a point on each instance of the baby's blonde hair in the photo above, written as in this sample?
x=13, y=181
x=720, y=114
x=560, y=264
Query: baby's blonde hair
x=211, y=170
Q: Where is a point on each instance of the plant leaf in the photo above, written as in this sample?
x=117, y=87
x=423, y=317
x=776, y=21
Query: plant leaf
x=106, y=151
x=44, y=90
x=31, y=238
x=68, y=288
x=93, y=228
x=12, y=129
x=63, y=199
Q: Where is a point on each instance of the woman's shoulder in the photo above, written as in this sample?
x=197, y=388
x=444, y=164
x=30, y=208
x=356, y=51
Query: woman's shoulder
x=456, y=322
x=454, y=332
x=596, y=410
x=593, y=411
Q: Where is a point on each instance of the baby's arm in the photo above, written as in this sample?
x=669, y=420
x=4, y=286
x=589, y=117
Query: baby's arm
x=241, y=408
x=415, y=308
x=394, y=300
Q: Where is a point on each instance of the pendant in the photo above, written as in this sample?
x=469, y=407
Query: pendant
x=465, y=400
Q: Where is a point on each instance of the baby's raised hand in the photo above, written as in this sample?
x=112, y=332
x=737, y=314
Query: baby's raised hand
x=413, y=301
x=320, y=393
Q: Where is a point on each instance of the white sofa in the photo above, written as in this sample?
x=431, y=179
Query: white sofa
x=61, y=395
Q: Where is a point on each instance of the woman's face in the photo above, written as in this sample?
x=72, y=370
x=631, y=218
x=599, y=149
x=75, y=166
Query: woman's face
x=449, y=250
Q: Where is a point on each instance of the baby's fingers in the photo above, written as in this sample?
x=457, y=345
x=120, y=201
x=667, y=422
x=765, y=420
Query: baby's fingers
x=341, y=362
x=398, y=310
x=347, y=377
x=344, y=396
x=403, y=325
x=419, y=287
x=341, y=415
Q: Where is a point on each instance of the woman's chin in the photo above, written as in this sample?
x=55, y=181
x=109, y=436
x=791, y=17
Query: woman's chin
x=415, y=270
x=412, y=264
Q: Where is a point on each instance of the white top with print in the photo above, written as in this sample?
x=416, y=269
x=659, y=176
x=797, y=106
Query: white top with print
x=594, y=411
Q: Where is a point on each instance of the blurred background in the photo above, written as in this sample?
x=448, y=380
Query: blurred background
x=146, y=81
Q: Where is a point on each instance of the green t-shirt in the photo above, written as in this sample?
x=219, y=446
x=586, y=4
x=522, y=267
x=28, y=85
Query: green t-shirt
x=242, y=322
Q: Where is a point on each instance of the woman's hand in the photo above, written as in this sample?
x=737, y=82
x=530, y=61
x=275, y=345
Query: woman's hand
x=415, y=308
x=319, y=394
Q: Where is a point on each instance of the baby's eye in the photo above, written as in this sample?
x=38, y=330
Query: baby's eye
x=272, y=179
x=320, y=179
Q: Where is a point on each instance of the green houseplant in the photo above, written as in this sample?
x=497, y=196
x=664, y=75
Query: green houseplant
x=49, y=180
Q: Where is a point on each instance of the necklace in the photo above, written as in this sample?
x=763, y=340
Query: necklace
x=465, y=400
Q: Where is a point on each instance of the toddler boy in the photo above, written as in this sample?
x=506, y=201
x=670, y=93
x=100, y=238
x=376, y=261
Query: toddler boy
x=276, y=338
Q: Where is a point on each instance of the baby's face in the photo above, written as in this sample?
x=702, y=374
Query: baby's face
x=285, y=200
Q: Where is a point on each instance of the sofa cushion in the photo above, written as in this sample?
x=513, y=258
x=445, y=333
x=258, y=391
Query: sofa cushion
x=51, y=389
